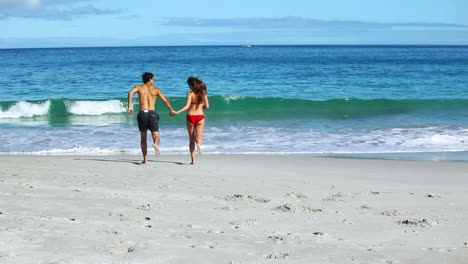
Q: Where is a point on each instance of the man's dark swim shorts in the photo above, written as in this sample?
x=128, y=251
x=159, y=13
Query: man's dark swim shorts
x=148, y=120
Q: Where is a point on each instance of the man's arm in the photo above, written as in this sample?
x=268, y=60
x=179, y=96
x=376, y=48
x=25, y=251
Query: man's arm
x=130, y=97
x=165, y=101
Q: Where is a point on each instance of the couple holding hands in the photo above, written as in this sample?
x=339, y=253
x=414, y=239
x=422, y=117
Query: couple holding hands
x=197, y=101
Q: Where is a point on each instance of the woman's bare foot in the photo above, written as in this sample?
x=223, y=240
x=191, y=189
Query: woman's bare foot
x=156, y=149
x=199, y=150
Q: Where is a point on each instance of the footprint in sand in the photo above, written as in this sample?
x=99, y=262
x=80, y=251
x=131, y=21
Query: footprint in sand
x=202, y=245
x=390, y=213
x=290, y=208
x=279, y=238
x=341, y=197
x=241, y=197
x=110, y=232
x=7, y=256
x=180, y=235
x=345, y=222
x=119, y=215
x=146, y=207
x=440, y=249
x=415, y=222
x=337, y=197
x=226, y=208
x=239, y=223
x=279, y=255
x=295, y=195
x=119, y=248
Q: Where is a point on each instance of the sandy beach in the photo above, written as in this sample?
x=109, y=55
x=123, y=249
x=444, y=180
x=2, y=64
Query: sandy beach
x=231, y=209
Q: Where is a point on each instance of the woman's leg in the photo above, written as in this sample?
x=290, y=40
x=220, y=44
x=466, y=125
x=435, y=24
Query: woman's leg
x=199, y=135
x=191, y=131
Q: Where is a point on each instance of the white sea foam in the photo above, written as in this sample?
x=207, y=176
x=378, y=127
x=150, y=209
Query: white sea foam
x=26, y=109
x=289, y=140
x=229, y=98
x=92, y=140
x=95, y=107
x=79, y=150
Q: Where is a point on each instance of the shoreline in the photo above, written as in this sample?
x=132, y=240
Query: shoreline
x=231, y=209
x=433, y=156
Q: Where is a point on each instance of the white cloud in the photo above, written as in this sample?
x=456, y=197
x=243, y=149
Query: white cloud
x=23, y=4
x=299, y=23
x=32, y=3
x=50, y=9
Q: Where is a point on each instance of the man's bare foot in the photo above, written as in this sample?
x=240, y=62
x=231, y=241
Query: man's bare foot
x=144, y=161
x=156, y=149
x=199, y=150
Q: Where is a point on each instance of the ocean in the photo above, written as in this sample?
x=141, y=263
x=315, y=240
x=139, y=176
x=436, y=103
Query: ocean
x=402, y=102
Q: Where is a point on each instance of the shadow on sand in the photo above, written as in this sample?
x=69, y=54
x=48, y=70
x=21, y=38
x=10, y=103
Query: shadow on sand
x=136, y=162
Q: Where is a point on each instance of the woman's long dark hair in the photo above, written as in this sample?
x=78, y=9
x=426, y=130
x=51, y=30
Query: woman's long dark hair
x=198, y=87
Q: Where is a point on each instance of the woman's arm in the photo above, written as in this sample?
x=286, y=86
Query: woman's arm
x=207, y=103
x=187, y=104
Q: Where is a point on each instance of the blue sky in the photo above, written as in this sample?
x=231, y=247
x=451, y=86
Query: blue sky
x=82, y=23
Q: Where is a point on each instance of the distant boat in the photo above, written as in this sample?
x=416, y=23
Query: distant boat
x=248, y=46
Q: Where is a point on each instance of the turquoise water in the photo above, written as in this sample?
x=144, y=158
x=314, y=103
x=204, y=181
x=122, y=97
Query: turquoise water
x=325, y=100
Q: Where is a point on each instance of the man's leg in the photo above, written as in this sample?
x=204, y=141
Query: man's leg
x=156, y=140
x=153, y=125
x=144, y=147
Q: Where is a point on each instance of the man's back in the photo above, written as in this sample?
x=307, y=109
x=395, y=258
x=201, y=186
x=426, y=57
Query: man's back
x=147, y=95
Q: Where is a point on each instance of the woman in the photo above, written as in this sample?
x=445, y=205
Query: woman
x=197, y=100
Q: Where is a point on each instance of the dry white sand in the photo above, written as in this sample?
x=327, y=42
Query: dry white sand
x=231, y=209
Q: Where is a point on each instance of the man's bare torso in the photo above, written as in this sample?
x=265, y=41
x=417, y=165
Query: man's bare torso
x=147, y=94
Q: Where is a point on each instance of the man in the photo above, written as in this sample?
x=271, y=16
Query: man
x=147, y=117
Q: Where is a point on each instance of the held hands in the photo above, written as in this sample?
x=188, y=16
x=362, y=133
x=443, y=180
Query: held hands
x=172, y=113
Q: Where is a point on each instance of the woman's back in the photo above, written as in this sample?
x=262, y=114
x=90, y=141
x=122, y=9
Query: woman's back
x=196, y=107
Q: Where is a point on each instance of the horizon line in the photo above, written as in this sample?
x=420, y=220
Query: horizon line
x=249, y=45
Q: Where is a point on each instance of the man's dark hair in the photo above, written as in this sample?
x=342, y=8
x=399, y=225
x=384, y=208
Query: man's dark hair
x=147, y=76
